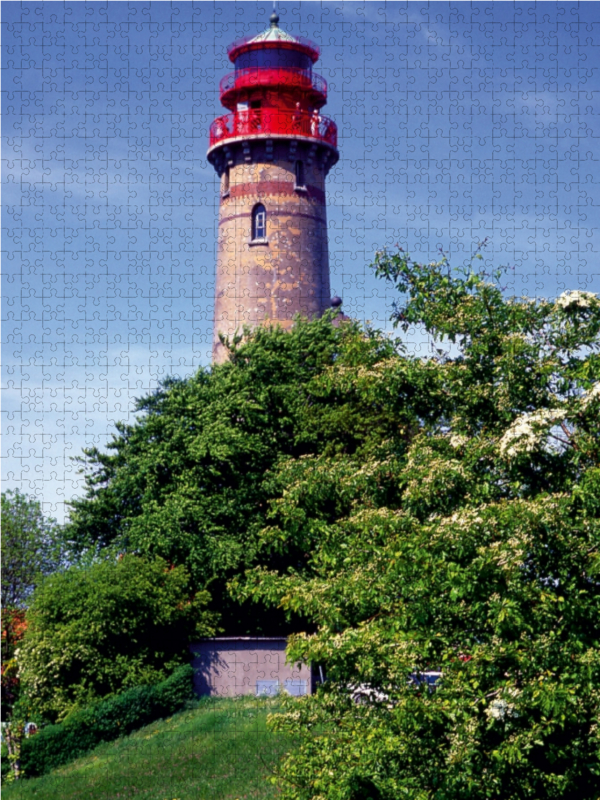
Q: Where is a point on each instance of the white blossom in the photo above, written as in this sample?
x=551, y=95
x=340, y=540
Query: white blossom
x=576, y=299
x=593, y=394
x=364, y=694
x=458, y=440
x=500, y=709
x=526, y=431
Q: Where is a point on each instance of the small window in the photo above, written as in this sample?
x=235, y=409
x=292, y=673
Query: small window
x=225, y=182
x=259, y=222
x=300, y=175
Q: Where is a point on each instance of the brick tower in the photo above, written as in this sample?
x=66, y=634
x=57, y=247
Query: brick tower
x=272, y=153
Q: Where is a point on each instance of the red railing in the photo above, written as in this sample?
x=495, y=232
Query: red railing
x=274, y=43
x=273, y=121
x=273, y=76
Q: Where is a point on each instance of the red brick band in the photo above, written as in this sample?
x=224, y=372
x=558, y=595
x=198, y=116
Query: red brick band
x=248, y=215
x=274, y=187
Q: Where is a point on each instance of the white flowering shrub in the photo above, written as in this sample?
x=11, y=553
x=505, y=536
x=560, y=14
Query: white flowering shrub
x=458, y=441
x=466, y=546
x=529, y=430
x=413, y=517
x=500, y=710
x=577, y=299
x=591, y=396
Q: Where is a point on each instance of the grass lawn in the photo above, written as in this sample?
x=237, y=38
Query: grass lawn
x=219, y=749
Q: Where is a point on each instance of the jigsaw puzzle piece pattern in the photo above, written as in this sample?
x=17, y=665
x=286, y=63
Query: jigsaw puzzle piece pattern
x=456, y=123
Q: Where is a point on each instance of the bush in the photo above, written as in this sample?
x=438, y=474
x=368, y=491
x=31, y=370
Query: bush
x=5, y=763
x=94, y=632
x=117, y=716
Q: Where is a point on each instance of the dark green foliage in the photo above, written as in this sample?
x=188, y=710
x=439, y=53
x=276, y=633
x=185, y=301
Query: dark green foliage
x=466, y=543
x=5, y=763
x=33, y=546
x=95, y=631
x=191, y=480
x=118, y=716
x=408, y=514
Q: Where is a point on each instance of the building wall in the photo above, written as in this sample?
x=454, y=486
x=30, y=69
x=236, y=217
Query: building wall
x=271, y=282
x=230, y=667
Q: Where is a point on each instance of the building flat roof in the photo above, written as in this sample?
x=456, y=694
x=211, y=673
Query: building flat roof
x=244, y=639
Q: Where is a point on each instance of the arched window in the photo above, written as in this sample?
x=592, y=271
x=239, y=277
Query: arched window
x=259, y=222
x=300, y=175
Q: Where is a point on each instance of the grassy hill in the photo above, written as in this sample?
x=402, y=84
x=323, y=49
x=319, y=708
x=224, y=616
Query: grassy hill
x=219, y=749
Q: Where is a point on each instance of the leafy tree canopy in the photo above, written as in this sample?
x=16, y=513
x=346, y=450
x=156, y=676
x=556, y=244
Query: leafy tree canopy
x=94, y=631
x=420, y=519
x=190, y=481
x=453, y=573
x=32, y=547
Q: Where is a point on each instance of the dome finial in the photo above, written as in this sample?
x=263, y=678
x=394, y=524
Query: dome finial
x=274, y=18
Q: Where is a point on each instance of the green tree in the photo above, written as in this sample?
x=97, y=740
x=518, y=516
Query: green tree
x=31, y=547
x=94, y=631
x=191, y=479
x=410, y=515
x=463, y=552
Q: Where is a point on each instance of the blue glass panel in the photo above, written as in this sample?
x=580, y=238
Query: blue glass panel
x=297, y=688
x=266, y=688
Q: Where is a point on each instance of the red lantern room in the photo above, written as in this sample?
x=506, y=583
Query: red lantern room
x=272, y=152
x=273, y=89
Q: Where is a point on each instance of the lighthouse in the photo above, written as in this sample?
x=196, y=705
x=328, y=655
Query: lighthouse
x=272, y=153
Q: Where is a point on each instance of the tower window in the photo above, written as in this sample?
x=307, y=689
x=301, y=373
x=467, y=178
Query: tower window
x=300, y=183
x=259, y=222
x=225, y=182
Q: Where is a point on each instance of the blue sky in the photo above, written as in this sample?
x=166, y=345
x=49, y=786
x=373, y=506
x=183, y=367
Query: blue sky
x=457, y=121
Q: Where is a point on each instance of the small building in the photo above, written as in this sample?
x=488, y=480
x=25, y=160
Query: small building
x=231, y=666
